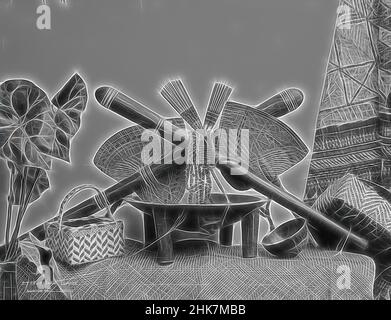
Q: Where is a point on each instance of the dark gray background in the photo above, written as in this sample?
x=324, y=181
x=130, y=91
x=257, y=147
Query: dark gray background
x=259, y=46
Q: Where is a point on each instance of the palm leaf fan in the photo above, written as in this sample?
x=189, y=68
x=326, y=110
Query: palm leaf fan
x=273, y=146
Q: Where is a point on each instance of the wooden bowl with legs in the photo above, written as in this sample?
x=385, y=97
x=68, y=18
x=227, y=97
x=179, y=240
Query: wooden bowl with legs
x=201, y=222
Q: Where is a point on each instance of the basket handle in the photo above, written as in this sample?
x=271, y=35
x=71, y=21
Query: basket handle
x=100, y=199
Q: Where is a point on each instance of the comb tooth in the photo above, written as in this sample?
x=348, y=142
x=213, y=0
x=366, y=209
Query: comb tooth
x=218, y=98
x=175, y=93
x=183, y=94
x=214, y=97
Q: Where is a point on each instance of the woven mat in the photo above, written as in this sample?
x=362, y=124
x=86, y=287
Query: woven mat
x=215, y=272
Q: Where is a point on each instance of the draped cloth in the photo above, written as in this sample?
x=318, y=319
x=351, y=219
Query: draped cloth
x=209, y=272
x=353, y=132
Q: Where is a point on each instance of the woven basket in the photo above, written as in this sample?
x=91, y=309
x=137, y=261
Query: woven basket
x=87, y=239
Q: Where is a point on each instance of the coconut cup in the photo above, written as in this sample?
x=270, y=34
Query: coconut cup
x=288, y=239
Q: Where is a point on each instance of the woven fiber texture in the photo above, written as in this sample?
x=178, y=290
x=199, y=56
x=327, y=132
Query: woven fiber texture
x=76, y=245
x=358, y=206
x=215, y=272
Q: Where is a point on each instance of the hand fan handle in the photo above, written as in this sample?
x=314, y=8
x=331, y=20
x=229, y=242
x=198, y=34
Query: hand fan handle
x=288, y=201
x=130, y=109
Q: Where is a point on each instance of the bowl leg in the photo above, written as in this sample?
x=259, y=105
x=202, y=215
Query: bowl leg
x=149, y=230
x=250, y=226
x=165, y=246
x=226, y=235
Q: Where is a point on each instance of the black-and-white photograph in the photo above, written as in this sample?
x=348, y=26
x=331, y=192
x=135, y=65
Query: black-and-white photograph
x=198, y=150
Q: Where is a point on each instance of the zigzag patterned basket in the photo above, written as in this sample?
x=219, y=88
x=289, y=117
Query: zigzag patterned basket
x=85, y=240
